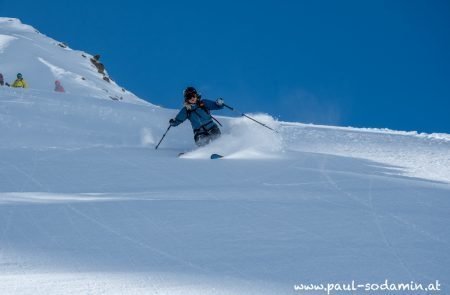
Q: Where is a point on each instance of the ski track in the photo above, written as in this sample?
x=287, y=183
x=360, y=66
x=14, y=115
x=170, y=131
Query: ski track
x=136, y=243
x=416, y=228
x=376, y=218
x=25, y=174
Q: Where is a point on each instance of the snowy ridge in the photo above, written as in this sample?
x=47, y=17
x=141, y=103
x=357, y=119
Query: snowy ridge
x=88, y=206
x=439, y=136
x=43, y=60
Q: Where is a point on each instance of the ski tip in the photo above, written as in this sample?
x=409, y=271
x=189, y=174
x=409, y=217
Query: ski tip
x=216, y=156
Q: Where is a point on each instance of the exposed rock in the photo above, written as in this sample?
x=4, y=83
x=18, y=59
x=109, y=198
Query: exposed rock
x=100, y=67
x=115, y=97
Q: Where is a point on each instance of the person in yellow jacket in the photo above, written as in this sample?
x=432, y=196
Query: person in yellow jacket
x=20, y=82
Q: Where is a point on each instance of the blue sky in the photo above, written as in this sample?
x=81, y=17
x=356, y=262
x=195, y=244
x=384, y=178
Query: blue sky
x=383, y=64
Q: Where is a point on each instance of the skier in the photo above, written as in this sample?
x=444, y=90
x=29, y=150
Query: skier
x=20, y=82
x=2, y=82
x=59, y=87
x=197, y=110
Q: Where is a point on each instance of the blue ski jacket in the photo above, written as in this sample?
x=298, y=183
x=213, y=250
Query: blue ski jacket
x=198, y=114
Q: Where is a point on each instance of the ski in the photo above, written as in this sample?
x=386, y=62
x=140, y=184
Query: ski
x=216, y=156
x=212, y=157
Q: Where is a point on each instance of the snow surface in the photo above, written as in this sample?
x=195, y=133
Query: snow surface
x=88, y=206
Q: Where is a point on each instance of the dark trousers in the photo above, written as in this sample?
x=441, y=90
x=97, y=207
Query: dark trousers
x=203, y=136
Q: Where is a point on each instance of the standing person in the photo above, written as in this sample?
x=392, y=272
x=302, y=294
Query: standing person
x=58, y=86
x=197, y=110
x=20, y=82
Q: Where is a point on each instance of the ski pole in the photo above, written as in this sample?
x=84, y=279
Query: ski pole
x=244, y=115
x=156, y=147
x=217, y=121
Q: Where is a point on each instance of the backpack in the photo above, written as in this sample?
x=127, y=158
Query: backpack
x=201, y=105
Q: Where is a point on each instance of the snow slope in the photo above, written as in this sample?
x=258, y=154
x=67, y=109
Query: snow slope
x=42, y=60
x=88, y=206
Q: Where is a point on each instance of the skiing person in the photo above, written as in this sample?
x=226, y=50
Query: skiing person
x=197, y=110
x=20, y=82
x=2, y=82
x=58, y=86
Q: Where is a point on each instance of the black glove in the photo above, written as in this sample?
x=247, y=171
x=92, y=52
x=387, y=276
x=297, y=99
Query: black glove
x=172, y=122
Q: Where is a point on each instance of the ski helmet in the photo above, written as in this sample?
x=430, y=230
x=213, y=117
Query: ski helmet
x=19, y=75
x=189, y=92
